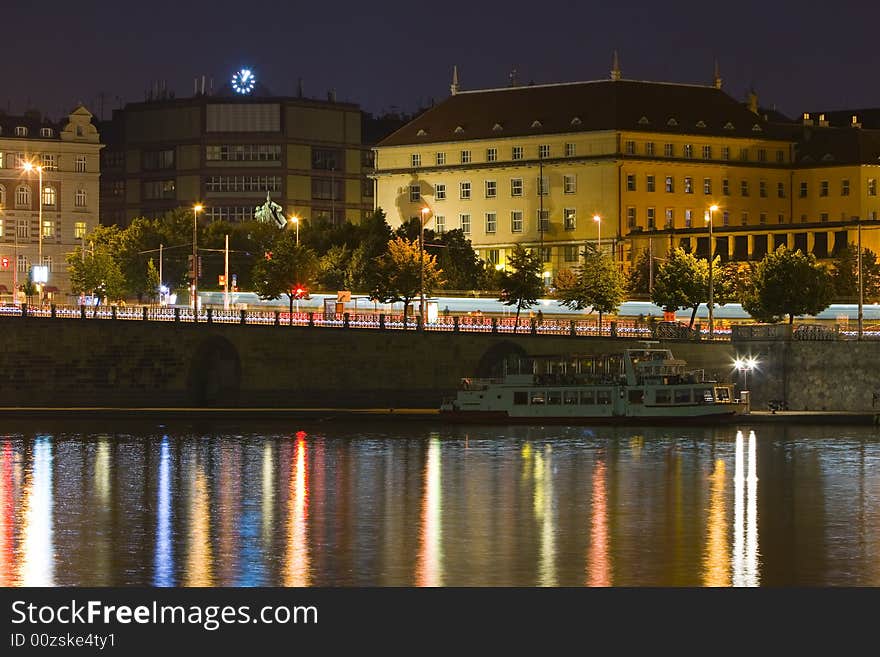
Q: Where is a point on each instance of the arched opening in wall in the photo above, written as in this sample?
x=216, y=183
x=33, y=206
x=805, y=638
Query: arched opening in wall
x=214, y=373
x=491, y=363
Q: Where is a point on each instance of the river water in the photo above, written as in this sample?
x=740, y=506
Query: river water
x=415, y=504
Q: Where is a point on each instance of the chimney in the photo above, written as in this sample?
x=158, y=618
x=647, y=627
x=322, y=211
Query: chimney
x=717, y=78
x=615, y=66
x=514, y=82
x=195, y=86
x=753, y=101
x=299, y=87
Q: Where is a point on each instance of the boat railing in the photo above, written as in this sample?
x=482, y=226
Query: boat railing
x=471, y=383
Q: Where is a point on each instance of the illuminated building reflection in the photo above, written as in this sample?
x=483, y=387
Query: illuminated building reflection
x=716, y=562
x=38, y=559
x=200, y=567
x=163, y=556
x=599, y=565
x=429, y=571
x=544, y=506
x=7, y=517
x=297, y=572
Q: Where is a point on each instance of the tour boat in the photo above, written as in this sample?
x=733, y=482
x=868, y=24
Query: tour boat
x=638, y=385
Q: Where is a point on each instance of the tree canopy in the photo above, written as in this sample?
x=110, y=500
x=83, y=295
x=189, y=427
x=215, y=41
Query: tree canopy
x=398, y=273
x=284, y=268
x=521, y=283
x=682, y=281
x=598, y=285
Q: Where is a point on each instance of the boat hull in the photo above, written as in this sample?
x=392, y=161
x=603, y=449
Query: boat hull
x=502, y=417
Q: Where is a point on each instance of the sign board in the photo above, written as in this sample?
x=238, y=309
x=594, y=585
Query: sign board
x=343, y=296
x=40, y=274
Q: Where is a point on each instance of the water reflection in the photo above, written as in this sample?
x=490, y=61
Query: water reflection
x=500, y=506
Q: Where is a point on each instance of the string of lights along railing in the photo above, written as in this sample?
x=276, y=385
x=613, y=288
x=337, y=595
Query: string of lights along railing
x=620, y=328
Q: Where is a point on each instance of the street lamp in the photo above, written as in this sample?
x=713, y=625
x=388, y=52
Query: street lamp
x=198, y=207
x=710, y=218
x=745, y=365
x=295, y=221
x=28, y=168
x=598, y=221
x=422, y=221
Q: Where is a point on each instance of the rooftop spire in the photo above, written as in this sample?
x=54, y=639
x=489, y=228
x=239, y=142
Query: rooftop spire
x=615, y=66
x=717, y=78
x=453, y=88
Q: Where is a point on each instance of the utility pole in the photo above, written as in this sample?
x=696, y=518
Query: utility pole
x=650, y=265
x=861, y=282
x=226, y=276
x=161, y=284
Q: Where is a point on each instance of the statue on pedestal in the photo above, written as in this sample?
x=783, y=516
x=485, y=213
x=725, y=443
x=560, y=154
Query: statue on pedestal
x=270, y=212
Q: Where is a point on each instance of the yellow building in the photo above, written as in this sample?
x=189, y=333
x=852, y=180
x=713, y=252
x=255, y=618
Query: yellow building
x=64, y=158
x=634, y=164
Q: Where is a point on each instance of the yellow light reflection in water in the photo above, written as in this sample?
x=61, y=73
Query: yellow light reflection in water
x=268, y=496
x=7, y=517
x=429, y=569
x=200, y=566
x=739, y=489
x=544, y=504
x=752, y=576
x=297, y=571
x=598, y=563
x=717, y=560
x=38, y=560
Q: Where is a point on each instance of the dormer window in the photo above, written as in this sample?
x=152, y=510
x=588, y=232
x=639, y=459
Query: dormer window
x=422, y=133
x=828, y=157
x=644, y=121
x=576, y=120
x=537, y=124
x=45, y=132
x=497, y=127
x=672, y=123
x=21, y=131
x=728, y=126
x=756, y=128
x=459, y=129
x=701, y=124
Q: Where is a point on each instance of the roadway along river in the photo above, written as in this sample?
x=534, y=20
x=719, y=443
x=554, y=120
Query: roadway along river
x=411, y=504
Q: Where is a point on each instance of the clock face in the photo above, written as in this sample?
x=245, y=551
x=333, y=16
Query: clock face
x=243, y=81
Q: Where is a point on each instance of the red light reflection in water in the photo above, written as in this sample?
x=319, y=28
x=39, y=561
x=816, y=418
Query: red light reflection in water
x=7, y=519
x=598, y=563
x=297, y=558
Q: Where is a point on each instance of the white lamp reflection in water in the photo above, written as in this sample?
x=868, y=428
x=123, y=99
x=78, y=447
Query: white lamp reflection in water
x=298, y=563
x=598, y=563
x=739, y=482
x=163, y=554
x=38, y=564
x=745, y=541
x=752, y=576
x=544, y=513
x=429, y=570
x=716, y=561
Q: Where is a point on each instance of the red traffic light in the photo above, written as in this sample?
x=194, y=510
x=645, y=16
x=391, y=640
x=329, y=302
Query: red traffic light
x=299, y=292
x=4, y=262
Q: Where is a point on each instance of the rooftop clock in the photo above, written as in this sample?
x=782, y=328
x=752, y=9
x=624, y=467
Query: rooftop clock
x=243, y=81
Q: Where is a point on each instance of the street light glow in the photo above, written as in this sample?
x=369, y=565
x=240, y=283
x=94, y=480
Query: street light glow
x=198, y=207
x=713, y=208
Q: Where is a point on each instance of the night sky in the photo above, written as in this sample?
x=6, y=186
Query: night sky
x=398, y=55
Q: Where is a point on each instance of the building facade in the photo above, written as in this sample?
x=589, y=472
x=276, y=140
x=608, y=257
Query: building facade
x=66, y=156
x=229, y=150
x=628, y=165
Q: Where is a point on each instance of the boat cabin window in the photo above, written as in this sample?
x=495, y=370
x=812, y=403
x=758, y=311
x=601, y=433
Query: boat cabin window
x=683, y=396
x=538, y=397
x=603, y=397
x=570, y=397
x=708, y=397
x=636, y=396
x=662, y=396
x=520, y=397
x=722, y=394
x=554, y=397
x=588, y=397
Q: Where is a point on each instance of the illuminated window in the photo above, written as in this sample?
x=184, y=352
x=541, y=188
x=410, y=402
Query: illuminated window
x=21, y=131
x=49, y=196
x=80, y=164
x=45, y=132
x=79, y=229
x=670, y=218
x=49, y=162
x=670, y=184
x=688, y=151
x=569, y=218
x=688, y=218
x=48, y=228
x=80, y=199
x=516, y=221
x=688, y=185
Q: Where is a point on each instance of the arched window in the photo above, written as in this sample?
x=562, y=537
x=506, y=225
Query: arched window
x=23, y=196
x=49, y=196
x=80, y=198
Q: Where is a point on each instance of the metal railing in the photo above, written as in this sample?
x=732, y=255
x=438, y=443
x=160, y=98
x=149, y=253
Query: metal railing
x=620, y=328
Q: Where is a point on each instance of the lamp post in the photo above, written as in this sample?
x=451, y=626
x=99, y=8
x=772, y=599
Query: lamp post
x=295, y=221
x=710, y=218
x=598, y=221
x=198, y=207
x=422, y=219
x=861, y=281
x=29, y=167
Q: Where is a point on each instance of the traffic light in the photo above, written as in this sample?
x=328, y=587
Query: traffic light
x=4, y=262
x=221, y=279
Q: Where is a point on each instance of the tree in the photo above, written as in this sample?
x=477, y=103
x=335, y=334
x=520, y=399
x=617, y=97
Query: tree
x=335, y=273
x=565, y=280
x=682, y=281
x=599, y=285
x=788, y=283
x=398, y=274
x=521, y=283
x=462, y=268
x=97, y=272
x=284, y=268
x=373, y=236
x=639, y=279
x=846, y=274
x=152, y=281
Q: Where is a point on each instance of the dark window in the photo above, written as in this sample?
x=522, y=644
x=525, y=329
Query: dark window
x=800, y=242
x=327, y=158
x=840, y=241
x=741, y=247
x=759, y=250
x=154, y=160
x=779, y=239
x=820, y=245
x=520, y=397
x=721, y=248
x=327, y=189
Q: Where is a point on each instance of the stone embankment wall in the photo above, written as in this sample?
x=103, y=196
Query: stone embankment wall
x=93, y=362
